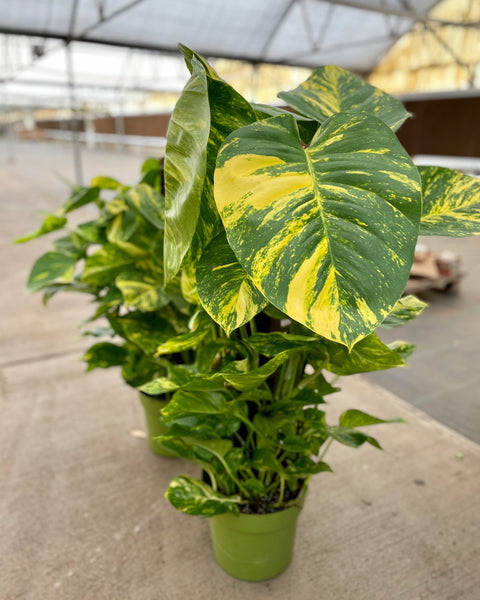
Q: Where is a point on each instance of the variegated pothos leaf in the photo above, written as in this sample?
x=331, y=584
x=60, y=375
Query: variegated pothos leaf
x=225, y=290
x=228, y=111
x=331, y=89
x=141, y=291
x=194, y=497
x=328, y=232
x=405, y=310
x=148, y=202
x=185, y=165
x=49, y=268
x=451, y=203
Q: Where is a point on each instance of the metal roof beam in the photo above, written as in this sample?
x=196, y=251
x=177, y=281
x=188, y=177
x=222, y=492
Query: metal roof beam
x=104, y=19
x=397, y=12
x=93, y=86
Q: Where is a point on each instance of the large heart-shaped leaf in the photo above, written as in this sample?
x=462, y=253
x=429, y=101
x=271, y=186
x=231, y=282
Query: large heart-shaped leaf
x=330, y=90
x=327, y=232
x=225, y=290
x=222, y=123
x=185, y=165
x=451, y=203
x=196, y=220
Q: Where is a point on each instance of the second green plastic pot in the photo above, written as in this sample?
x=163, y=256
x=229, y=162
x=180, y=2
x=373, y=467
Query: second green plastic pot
x=254, y=547
x=154, y=423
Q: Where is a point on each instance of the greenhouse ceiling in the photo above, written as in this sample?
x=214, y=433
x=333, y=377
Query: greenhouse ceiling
x=355, y=34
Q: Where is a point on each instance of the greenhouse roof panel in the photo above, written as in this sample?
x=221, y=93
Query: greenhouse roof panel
x=296, y=32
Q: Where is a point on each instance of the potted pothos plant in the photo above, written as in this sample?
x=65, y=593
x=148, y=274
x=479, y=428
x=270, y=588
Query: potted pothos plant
x=116, y=258
x=294, y=230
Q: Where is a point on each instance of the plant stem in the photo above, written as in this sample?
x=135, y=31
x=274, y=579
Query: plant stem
x=304, y=382
x=325, y=449
x=233, y=478
x=282, y=491
x=280, y=380
x=212, y=478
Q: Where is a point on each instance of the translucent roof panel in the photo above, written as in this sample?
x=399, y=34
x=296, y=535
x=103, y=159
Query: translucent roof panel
x=355, y=34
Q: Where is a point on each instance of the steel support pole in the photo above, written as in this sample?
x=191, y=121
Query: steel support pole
x=77, y=155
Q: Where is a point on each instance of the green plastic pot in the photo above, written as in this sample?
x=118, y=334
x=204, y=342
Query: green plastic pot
x=154, y=423
x=254, y=547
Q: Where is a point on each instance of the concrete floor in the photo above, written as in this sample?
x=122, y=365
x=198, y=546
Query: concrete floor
x=81, y=497
x=443, y=376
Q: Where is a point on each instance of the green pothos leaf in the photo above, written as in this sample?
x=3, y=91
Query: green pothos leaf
x=404, y=349
x=123, y=226
x=141, y=291
x=201, y=326
x=404, y=310
x=81, y=197
x=451, y=203
x=159, y=386
x=106, y=183
x=194, y=497
x=149, y=203
x=52, y=267
x=103, y=266
x=104, y=355
x=369, y=354
x=358, y=418
x=92, y=232
x=51, y=223
x=307, y=127
x=331, y=90
x=270, y=344
x=312, y=225
x=74, y=286
x=146, y=330
x=224, y=288
x=352, y=437
x=249, y=380
x=306, y=467
x=151, y=164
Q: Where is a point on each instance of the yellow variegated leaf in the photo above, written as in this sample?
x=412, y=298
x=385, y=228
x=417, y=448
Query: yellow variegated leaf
x=225, y=290
x=328, y=232
x=149, y=202
x=330, y=90
x=404, y=310
x=451, y=203
x=142, y=292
